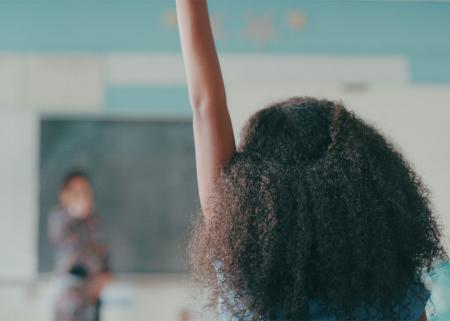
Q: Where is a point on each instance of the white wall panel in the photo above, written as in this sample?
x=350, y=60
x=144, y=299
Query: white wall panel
x=11, y=80
x=64, y=82
x=262, y=69
x=18, y=194
x=155, y=69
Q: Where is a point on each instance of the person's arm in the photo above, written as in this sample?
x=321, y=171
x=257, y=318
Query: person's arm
x=213, y=132
x=423, y=317
x=58, y=228
x=97, y=284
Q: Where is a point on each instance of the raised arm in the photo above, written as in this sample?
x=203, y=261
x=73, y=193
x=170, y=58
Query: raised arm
x=213, y=132
x=423, y=317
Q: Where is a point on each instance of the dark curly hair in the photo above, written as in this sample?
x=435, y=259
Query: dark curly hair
x=316, y=205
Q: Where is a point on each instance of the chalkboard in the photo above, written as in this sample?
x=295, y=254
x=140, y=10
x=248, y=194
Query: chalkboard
x=143, y=173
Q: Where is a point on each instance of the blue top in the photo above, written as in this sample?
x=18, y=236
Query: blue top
x=229, y=299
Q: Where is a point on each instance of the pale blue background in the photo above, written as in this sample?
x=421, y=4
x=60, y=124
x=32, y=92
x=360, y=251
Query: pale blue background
x=420, y=31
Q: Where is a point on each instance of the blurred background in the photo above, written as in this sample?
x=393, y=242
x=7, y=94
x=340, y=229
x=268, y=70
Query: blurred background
x=100, y=85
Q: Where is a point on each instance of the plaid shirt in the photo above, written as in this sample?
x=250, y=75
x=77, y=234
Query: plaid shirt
x=77, y=243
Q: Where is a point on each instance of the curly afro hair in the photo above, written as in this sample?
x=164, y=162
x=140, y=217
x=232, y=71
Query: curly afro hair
x=316, y=205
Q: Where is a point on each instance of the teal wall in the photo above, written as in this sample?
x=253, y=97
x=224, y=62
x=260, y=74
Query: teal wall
x=418, y=30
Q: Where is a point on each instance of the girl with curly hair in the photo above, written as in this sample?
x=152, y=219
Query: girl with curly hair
x=315, y=216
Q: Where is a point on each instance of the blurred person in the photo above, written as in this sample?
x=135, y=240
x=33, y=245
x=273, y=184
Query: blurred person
x=315, y=216
x=185, y=315
x=82, y=262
